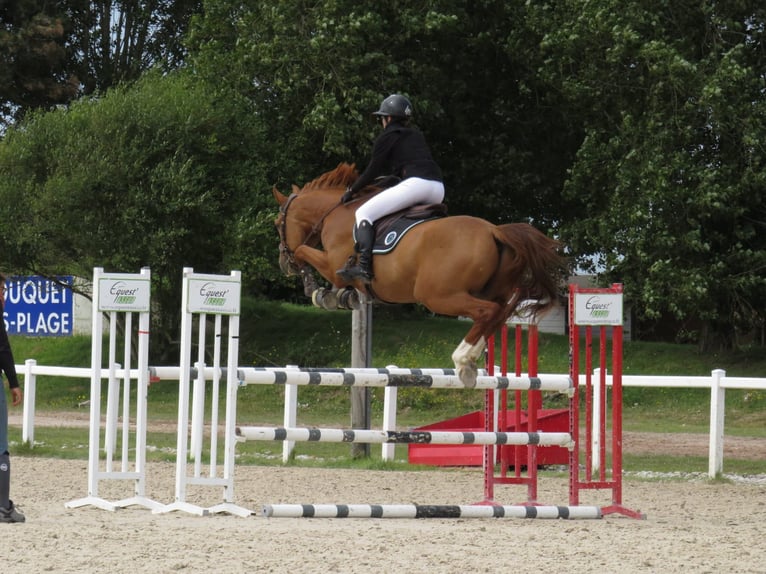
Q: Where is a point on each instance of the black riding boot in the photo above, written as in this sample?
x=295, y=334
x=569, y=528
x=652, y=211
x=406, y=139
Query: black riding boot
x=365, y=237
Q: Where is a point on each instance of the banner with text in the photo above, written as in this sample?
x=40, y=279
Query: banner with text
x=39, y=306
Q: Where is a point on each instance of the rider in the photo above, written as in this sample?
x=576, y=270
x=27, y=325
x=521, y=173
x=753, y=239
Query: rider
x=402, y=149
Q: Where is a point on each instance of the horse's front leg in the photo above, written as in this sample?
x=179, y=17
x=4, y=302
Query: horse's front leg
x=320, y=261
x=309, y=281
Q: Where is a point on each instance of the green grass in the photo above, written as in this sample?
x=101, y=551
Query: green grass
x=689, y=464
x=72, y=444
x=276, y=334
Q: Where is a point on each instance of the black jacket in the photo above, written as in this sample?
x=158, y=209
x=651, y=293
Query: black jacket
x=7, y=364
x=402, y=151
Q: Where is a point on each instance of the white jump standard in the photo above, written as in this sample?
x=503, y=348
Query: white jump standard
x=124, y=294
x=217, y=295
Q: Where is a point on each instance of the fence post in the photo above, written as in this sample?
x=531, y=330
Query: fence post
x=717, y=403
x=30, y=390
x=290, y=415
x=389, y=419
x=361, y=356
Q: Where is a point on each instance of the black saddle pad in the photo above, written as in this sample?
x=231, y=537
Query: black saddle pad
x=390, y=229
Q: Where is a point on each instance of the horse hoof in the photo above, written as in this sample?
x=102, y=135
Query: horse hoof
x=348, y=298
x=467, y=374
x=324, y=299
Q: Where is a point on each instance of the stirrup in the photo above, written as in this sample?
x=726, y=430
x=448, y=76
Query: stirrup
x=357, y=271
x=345, y=272
x=349, y=274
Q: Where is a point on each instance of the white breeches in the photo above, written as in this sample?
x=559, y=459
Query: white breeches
x=409, y=192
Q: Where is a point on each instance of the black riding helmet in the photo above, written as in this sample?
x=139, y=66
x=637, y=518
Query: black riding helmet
x=395, y=106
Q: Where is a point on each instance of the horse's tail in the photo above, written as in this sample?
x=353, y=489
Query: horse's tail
x=531, y=268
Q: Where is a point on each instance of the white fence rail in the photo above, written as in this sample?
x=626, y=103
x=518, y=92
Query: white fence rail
x=717, y=382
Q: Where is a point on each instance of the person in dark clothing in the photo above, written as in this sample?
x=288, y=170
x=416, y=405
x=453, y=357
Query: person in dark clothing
x=8, y=511
x=400, y=150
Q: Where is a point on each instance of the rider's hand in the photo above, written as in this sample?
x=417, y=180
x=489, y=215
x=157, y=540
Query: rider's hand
x=347, y=196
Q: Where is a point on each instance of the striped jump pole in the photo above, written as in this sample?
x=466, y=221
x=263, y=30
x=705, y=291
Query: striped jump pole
x=426, y=511
x=402, y=437
x=203, y=295
x=422, y=378
x=600, y=308
x=121, y=296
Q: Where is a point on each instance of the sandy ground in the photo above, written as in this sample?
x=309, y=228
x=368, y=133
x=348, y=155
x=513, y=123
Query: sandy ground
x=691, y=526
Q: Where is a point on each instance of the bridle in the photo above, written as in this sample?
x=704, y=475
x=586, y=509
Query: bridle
x=284, y=249
x=316, y=230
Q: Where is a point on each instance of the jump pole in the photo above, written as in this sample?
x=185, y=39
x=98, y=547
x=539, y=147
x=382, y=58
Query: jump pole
x=426, y=511
x=398, y=437
x=217, y=295
x=601, y=308
x=367, y=436
x=126, y=295
x=398, y=377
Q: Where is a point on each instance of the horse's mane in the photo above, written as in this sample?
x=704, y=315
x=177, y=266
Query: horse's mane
x=343, y=175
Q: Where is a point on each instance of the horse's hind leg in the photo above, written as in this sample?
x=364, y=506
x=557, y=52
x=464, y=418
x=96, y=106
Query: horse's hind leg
x=488, y=318
x=465, y=357
x=484, y=314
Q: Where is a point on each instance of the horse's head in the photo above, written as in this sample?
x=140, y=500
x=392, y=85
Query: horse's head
x=302, y=214
x=288, y=227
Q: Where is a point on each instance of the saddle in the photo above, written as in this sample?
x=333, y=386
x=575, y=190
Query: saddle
x=391, y=228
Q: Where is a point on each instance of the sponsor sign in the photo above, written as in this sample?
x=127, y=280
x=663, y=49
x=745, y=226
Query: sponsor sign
x=213, y=295
x=598, y=309
x=38, y=306
x=127, y=293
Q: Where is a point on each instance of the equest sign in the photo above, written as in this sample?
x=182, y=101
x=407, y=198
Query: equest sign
x=598, y=309
x=124, y=292
x=215, y=296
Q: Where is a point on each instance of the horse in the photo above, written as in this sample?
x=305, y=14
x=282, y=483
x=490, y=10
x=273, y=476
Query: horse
x=455, y=266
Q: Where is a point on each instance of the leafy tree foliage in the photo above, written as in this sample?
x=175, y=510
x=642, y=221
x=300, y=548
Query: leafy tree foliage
x=316, y=70
x=118, y=40
x=33, y=71
x=631, y=129
x=53, y=52
x=157, y=175
x=670, y=172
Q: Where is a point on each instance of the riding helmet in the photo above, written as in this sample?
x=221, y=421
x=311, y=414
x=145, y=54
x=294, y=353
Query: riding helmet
x=396, y=106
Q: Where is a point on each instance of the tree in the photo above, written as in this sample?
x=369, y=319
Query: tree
x=33, y=63
x=118, y=40
x=165, y=174
x=632, y=130
x=670, y=172
x=54, y=52
x=316, y=70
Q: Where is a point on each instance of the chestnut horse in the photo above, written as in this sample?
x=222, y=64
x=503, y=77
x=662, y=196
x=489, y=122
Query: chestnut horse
x=456, y=266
